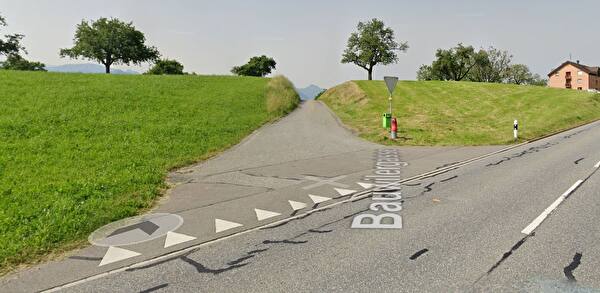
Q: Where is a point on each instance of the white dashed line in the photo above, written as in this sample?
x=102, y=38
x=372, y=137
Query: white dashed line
x=549, y=210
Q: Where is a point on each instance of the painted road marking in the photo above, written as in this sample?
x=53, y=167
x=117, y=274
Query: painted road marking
x=551, y=208
x=296, y=205
x=135, y=230
x=318, y=199
x=115, y=254
x=324, y=181
x=222, y=225
x=366, y=185
x=177, y=238
x=597, y=165
x=343, y=192
x=263, y=214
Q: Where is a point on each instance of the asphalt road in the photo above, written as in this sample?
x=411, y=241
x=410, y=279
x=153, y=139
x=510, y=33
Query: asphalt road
x=462, y=225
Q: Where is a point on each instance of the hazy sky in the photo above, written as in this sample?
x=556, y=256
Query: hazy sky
x=307, y=37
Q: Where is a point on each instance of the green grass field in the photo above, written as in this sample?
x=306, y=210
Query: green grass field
x=78, y=151
x=460, y=113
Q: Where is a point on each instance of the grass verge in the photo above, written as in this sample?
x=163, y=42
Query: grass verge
x=459, y=113
x=78, y=151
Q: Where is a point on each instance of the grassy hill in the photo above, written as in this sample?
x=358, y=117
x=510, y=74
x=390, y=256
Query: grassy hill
x=459, y=113
x=78, y=151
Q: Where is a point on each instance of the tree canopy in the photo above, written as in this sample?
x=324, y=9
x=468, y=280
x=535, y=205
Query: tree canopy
x=110, y=41
x=166, y=66
x=16, y=62
x=465, y=63
x=256, y=66
x=12, y=44
x=372, y=44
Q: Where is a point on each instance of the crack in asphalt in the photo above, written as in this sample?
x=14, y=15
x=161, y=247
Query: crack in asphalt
x=418, y=253
x=286, y=241
x=530, y=150
x=507, y=254
x=448, y=179
x=270, y=177
x=155, y=288
x=568, y=270
x=200, y=268
x=319, y=231
x=294, y=219
x=577, y=161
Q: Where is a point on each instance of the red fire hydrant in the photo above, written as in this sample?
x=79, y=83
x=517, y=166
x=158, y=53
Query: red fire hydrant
x=394, y=128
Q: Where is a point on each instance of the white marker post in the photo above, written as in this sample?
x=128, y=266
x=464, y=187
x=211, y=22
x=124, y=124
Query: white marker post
x=516, y=129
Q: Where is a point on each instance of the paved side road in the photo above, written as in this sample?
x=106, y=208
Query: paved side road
x=462, y=226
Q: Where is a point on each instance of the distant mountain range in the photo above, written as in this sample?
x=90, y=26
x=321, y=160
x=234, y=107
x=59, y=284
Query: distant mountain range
x=87, y=68
x=309, y=92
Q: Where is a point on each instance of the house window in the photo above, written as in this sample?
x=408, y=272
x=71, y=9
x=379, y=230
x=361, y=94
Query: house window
x=580, y=73
x=580, y=80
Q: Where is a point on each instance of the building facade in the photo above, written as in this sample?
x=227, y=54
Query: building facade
x=573, y=75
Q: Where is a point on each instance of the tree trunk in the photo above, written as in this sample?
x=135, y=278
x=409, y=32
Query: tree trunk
x=370, y=70
x=107, y=67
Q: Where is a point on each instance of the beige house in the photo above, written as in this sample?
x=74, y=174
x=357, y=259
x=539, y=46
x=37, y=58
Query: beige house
x=571, y=75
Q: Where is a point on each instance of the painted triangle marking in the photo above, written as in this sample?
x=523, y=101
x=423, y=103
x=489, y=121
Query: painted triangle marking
x=296, y=205
x=263, y=214
x=344, y=191
x=177, y=238
x=115, y=254
x=318, y=199
x=222, y=225
x=366, y=185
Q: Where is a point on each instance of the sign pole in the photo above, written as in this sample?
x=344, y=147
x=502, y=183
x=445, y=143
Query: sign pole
x=390, y=82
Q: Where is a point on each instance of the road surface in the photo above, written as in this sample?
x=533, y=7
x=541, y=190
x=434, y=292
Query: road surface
x=276, y=214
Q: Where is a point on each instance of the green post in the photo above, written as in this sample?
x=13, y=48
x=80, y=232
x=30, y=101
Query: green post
x=387, y=120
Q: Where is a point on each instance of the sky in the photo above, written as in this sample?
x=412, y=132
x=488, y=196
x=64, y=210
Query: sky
x=307, y=37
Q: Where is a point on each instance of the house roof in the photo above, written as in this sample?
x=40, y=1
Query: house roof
x=587, y=69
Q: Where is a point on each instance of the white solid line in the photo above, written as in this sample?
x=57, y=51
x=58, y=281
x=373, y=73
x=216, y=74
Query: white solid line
x=597, y=165
x=549, y=210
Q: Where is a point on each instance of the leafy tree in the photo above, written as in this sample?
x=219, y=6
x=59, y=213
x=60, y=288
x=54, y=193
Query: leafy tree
x=456, y=63
x=166, y=66
x=12, y=44
x=493, y=66
x=16, y=62
x=425, y=72
x=537, y=80
x=110, y=41
x=520, y=74
x=257, y=66
x=372, y=44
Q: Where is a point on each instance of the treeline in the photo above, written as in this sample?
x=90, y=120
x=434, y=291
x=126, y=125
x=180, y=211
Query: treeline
x=110, y=42
x=465, y=63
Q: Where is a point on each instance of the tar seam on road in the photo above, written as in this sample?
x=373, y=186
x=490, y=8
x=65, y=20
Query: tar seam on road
x=418, y=253
x=568, y=270
x=448, y=179
x=155, y=288
x=505, y=256
x=577, y=161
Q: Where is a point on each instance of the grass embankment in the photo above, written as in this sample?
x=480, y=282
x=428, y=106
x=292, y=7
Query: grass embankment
x=78, y=151
x=460, y=113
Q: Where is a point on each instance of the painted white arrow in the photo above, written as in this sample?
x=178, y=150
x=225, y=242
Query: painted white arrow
x=115, y=254
x=366, y=185
x=177, y=238
x=263, y=214
x=296, y=205
x=222, y=225
x=344, y=191
x=318, y=199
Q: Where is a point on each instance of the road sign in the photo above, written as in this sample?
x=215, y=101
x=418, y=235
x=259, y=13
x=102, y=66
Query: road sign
x=391, y=82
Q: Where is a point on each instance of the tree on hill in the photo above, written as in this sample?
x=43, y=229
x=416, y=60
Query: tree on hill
x=520, y=74
x=110, y=41
x=256, y=66
x=371, y=45
x=493, y=66
x=456, y=63
x=12, y=44
x=16, y=62
x=11, y=48
x=166, y=66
